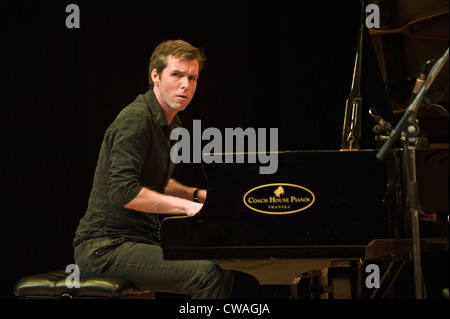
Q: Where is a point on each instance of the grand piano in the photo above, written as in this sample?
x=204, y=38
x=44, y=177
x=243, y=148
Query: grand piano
x=335, y=207
x=321, y=210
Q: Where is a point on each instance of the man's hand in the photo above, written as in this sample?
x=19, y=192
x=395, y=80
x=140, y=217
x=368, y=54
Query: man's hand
x=194, y=208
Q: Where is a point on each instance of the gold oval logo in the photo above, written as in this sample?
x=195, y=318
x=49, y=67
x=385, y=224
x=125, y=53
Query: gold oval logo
x=279, y=199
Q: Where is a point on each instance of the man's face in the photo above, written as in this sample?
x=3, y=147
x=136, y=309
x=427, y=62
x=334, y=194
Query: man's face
x=176, y=85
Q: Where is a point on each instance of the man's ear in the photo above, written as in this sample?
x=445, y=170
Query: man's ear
x=155, y=76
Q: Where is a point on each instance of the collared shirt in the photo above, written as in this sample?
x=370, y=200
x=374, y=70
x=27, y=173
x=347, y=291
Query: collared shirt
x=135, y=152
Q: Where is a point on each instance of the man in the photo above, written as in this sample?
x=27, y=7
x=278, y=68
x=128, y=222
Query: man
x=119, y=234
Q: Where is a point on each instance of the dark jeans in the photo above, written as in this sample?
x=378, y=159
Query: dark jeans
x=143, y=265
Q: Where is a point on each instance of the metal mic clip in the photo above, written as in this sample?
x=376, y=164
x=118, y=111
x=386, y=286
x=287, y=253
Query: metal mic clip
x=383, y=127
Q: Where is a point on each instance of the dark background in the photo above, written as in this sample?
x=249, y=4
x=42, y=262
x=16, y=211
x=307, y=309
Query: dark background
x=285, y=64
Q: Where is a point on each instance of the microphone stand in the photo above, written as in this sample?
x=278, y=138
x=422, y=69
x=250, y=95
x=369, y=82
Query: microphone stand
x=407, y=125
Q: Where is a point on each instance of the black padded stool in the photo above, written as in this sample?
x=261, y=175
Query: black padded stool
x=53, y=285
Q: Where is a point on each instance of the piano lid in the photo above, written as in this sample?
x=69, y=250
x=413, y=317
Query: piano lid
x=411, y=33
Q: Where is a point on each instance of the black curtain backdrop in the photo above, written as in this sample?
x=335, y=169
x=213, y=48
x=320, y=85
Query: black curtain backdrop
x=283, y=64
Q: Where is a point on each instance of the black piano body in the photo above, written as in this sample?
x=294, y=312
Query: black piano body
x=318, y=204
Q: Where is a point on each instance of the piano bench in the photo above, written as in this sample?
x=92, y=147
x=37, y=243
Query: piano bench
x=53, y=285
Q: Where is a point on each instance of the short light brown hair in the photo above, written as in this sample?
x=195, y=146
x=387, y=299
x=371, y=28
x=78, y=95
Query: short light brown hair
x=176, y=48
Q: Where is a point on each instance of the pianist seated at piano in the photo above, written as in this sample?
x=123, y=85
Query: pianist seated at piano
x=119, y=234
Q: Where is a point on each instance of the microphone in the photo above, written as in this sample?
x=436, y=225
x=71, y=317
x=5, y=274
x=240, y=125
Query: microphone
x=420, y=81
x=384, y=126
